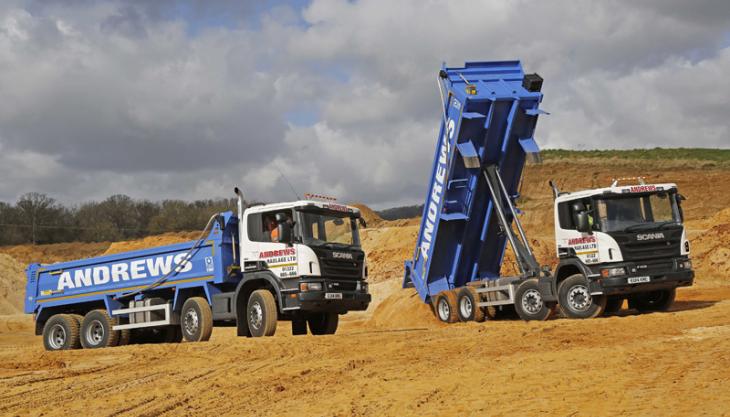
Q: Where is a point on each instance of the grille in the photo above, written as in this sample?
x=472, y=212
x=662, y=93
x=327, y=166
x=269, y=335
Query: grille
x=634, y=250
x=340, y=268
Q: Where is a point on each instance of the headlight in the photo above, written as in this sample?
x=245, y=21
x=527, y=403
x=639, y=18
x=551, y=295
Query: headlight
x=685, y=265
x=613, y=272
x=310, y=286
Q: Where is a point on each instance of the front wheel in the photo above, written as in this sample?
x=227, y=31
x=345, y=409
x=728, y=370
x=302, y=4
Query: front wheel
x=323, y=323
x=196, y=321
x=261, y=313
x=529, y=303
x=660, y=300
x=576, y=301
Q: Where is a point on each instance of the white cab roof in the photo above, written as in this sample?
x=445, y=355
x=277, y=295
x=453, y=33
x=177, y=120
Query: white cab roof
x=325, y=205
x=619, y=189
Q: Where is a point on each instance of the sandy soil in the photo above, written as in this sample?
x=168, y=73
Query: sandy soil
x=674, y=364
x=396, y=358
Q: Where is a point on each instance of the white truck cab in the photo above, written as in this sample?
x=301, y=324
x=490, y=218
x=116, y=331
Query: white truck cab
x=620, y=242
x=308, y=254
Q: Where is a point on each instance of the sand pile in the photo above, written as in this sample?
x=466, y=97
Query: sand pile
x=55, y=252
x=403, y=310
x=151, y=242
x=12, y=285
x=386, y=249
x=710, y=251
x=370, y=216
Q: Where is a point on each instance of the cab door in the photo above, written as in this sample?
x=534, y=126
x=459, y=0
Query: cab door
x=264, y=244
x=570, y=241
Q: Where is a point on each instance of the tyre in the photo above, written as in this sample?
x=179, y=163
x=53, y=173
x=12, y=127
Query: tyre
x=196, y=321
x=298, y=327
x=576, y=301
x=613, y=305
x=660, y=300
x=446, y=307
x=261, y=313
x=61, y=332
x=529, y=303
x=467, y=300
x=323, y=323
x=125, y=337
x=96, y=330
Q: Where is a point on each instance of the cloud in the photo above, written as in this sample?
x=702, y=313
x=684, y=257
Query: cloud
x=185, y=100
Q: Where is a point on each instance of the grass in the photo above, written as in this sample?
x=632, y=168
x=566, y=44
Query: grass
x=699, y=154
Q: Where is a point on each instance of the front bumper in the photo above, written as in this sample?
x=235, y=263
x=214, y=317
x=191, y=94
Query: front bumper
x=662, y=281
x=315, y=301
x=354, y=296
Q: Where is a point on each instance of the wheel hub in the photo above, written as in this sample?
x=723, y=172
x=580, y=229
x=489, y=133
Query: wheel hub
x=256, y=315
x=191, y=321
x=95, y=332
x=444, y=310
x=466, y=306
x=532, y=301
x=579, y=298
x=57, y=336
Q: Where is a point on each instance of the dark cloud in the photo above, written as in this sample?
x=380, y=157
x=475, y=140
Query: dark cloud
x=185, y=99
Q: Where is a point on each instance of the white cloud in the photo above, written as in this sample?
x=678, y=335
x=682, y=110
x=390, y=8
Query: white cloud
x=113, y=97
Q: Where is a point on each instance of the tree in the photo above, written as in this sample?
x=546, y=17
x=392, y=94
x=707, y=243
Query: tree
x=35, y=209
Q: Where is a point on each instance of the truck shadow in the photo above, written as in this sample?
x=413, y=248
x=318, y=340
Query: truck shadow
x=682, y=305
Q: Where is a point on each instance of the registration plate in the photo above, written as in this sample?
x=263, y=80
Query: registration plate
x=638, y=280
x=333, y=295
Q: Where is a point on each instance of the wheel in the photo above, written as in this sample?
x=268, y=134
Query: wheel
x=660, y=300
x=125, y=337
x=446, y=307
x=613, y=305
x=96, y=330
x=468, y=300
x=529, y=303
x=299, y=327
x=261, y=313
x=323, y=323
x=196, y=321
x=61, y=332
x=173, y=334
x=576, y=301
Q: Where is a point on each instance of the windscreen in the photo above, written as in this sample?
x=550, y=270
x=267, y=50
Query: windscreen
x=328, y=229
x=637, y=212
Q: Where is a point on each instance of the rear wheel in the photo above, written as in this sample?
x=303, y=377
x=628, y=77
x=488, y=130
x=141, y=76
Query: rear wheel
x=96, y=330
x=468, y=300
x=196, y=321
x=323, y=323
x=529, y=303
x=261, y=313
x=61, y=332
x=660, y=300
x=613, y=305
x=298, y=327
x=576, y=301
x=446, y=307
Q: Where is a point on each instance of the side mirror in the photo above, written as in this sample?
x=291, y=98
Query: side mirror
x=362, y=222
x=581, y=222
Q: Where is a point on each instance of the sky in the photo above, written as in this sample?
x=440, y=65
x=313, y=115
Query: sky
x=187, y=99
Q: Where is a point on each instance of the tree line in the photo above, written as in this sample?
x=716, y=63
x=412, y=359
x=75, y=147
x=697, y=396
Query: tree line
x=37, y=218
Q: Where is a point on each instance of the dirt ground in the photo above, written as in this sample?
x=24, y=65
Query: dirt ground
x=396, y=358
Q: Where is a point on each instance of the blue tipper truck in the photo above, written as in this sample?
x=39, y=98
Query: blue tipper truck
x=489, y=113
x=299, y=261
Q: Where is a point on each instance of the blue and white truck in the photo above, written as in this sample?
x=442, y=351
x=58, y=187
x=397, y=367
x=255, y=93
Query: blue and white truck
x=634, y=246
x=299, y=261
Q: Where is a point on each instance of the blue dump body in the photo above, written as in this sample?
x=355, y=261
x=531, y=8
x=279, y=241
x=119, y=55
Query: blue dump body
x=102, y=279
x=490, y=110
